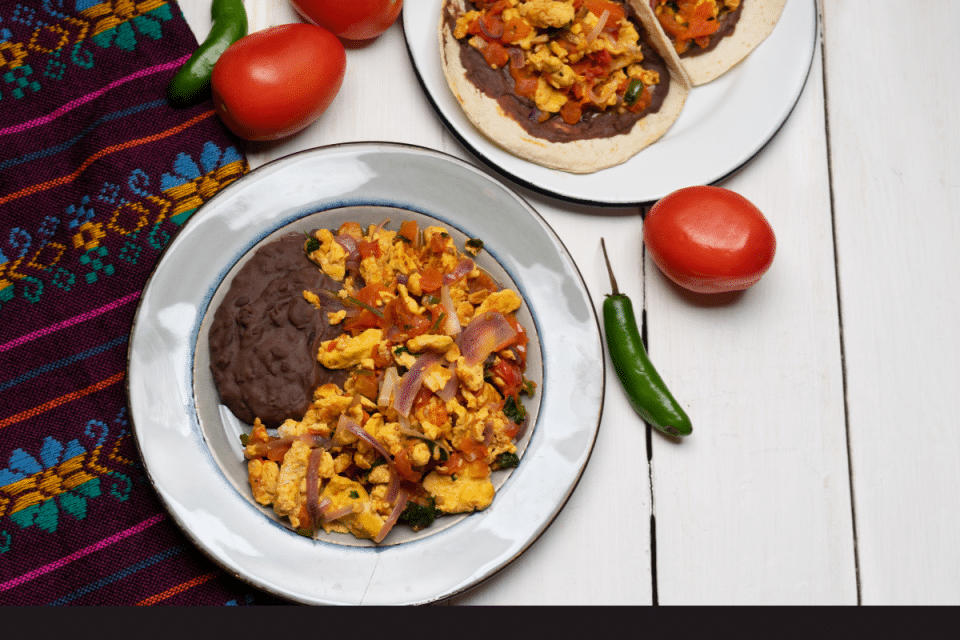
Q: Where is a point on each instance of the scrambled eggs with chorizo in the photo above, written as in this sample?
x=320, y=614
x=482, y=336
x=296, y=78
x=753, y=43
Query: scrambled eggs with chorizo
x=432, y=405
x=570, y=57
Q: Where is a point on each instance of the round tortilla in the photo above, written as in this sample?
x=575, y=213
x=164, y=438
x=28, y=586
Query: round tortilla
x=757, y=20
x=582, y=156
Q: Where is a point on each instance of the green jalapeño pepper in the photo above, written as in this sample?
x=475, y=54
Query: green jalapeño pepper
x=645, y=388
x=191, y=84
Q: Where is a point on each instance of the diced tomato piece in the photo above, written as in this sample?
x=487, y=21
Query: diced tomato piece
x=496, y=55
x=524, y=84
x=366, y=384
x=370, y=248
x=571, y=112
x=453, y=464
x=409, y=230
x=430, y=279
x=404, y=466
x=515, y=30
x=597, y=7
x=507, y=377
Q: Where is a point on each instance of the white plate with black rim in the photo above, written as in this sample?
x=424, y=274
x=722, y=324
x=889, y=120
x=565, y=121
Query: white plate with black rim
x=190, y=444
x=722, y=127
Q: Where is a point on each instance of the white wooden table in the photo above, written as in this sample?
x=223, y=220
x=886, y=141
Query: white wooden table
x=824, y=467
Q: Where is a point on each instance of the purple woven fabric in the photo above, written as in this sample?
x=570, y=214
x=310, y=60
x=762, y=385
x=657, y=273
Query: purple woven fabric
x=97, y=173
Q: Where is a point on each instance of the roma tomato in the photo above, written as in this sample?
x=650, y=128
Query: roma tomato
x=275, y=82
x=709, y=239
x=350, y=19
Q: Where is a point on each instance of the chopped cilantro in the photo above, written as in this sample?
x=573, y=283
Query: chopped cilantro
x=311, y=244
x=514, y=410
x=353, y=494
x=473, y=246
x=402, y=349
x=244, y=438
x=306, y=532
x=505, y=460
x=419, y=516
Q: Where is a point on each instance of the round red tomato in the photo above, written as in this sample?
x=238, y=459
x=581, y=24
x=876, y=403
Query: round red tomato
x=709, y=239
x=350, y=19
x=273, y=83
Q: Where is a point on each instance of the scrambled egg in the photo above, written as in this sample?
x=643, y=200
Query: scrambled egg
x=415, y=429
x=578, y=57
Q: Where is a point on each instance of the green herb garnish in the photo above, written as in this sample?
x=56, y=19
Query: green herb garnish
x=505, y=460
x=420, y=516
x=513, y=409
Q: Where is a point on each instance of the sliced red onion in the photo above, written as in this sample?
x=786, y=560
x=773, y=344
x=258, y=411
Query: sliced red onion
x=387, y=387
x=261, y=449
x=494, y=33
x=352, y=246
x=313, y=488
x=349, y=424
x=451, y=322
x=601, y=23
x=463, y=268
x=517, y=59
x=398, y=508
x=335, y=514
x=450, y=389
x=411, y=382
x=485, y=334
x=488, y=433
x=393, y=487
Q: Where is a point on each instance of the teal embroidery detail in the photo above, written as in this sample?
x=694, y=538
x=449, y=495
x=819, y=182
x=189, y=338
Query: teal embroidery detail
x=119, y=485
x=81, y=56
x=123, y=36
x=63, y=279
x=33, y=290
x=92, y=258
x=130, y=250
x=45, y=515
x=18, y=77
x=55, y=66
x=158, y=238
x=5, y=542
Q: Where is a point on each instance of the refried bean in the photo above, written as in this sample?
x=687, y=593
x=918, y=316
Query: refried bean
x=265, y=335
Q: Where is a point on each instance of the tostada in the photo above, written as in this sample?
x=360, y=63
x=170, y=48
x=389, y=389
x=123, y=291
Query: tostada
x=575, y=85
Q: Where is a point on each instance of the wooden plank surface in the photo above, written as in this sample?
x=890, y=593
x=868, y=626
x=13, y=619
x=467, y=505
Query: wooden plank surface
x=755, y=508
x=895, y=152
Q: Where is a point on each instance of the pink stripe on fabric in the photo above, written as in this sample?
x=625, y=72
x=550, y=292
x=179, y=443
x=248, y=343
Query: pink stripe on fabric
x=9, y=584
x=17, y=128
x=68, y=323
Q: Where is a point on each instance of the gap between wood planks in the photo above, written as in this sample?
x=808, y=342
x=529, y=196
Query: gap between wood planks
x=836, y=278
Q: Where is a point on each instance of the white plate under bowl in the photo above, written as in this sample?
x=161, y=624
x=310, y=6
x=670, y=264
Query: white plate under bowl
x=722, y=126
x=189, y=443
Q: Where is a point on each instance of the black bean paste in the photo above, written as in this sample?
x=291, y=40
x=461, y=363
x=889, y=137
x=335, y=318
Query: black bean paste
x=265, y=335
